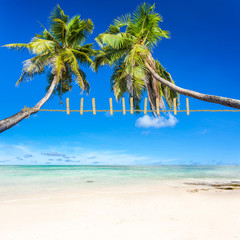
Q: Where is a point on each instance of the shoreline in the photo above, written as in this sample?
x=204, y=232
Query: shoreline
x=189, y=185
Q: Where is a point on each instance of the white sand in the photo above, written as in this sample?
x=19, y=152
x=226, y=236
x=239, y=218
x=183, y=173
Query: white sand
x=127, y=212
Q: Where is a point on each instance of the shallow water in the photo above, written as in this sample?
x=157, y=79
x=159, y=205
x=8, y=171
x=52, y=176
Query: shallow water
x=18, y=180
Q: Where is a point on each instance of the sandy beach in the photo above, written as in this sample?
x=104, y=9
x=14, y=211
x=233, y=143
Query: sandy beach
x=153, y=212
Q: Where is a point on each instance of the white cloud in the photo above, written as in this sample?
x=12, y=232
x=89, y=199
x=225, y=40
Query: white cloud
x=16, y=154
x=54, y=154
x=168, y=120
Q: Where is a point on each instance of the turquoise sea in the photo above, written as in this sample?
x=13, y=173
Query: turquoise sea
x=80, y=175
x=19, y=180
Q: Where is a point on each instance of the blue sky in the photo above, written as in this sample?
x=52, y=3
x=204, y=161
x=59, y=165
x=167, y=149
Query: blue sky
x=202, y=55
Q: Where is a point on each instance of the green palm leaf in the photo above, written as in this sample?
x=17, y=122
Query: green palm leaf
x=62, y=49
x=126, y=46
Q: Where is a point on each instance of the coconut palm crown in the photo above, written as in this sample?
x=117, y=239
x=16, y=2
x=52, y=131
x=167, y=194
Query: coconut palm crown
x=61, y=49
x=126, y=46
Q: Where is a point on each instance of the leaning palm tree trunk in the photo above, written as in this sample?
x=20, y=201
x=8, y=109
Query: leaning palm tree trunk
x=229, y=102
x=18, y=117
x=153, y=87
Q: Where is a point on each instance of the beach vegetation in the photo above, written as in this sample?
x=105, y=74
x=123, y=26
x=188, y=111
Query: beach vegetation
x=59, y=52
x=128, y=46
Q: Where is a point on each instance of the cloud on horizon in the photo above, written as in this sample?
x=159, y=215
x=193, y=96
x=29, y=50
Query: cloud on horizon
x=57, y=154
x=26, y=154
x=168, y=120
x=53, y=154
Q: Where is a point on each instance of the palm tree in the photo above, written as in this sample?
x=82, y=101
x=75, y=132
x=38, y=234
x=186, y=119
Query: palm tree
x=127, y=46
x=62, y=49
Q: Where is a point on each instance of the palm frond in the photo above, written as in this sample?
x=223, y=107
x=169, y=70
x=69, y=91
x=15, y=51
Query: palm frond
x=108, y=56
x=82, y=57
x=58, y=23
x=46, y=34
x=114, y=40
x=58, y=13
x=122, y=21
x=39, y=45
x=34, y=66
x=70, y=59
x=58, y=67
x=78, y=31
x=167, y=92
x=17, y=46
x=118, y=81
x=88, y=49
x=85, y=86
x=59, y=30
x=113, y=30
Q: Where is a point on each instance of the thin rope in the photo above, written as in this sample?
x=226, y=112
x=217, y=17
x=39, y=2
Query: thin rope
x=163, y=111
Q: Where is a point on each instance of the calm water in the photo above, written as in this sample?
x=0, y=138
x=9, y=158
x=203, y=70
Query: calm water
x=37, y=179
